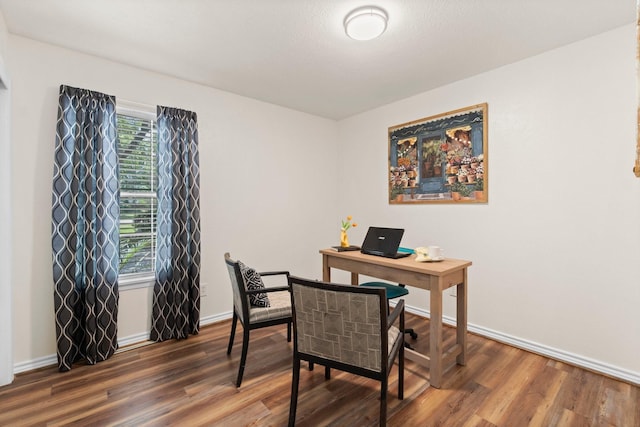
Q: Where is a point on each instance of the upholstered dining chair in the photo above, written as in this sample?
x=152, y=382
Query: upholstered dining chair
x=255, y=305
x=347, y=328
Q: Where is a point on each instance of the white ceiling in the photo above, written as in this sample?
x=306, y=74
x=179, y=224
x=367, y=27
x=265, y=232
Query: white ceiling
x=294, y=53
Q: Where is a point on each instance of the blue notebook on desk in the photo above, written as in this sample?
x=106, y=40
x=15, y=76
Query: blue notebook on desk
x=382, y=241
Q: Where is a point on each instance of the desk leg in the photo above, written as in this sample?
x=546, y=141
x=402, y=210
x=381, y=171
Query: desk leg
x=435, y=333
x=461, y=320
x=354, y=279
x=326, y=270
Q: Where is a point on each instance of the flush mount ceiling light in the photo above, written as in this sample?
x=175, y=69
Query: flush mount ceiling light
x=366, y=23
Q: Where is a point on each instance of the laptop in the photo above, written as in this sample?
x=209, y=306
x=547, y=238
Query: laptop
x=383, y=242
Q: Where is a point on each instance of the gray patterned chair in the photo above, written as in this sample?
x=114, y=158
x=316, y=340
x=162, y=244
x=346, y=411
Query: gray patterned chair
x=347, y=328
x=255, y=306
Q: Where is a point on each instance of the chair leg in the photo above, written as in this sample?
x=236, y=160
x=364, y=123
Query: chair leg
x=401, y=360
x=234, y=322
x=289, y=332
x=327, y=373
x=294, y=392
x=383, y=402
x=243, y=357
x=401, y=373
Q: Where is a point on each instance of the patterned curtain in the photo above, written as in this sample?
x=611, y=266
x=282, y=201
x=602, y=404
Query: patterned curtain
x=85, y=221
x=176, y=294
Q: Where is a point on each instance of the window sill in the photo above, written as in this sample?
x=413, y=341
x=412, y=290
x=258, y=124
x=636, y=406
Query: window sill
x=131, y=282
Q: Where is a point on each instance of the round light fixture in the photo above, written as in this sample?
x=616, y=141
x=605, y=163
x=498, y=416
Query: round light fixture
x=366, y=23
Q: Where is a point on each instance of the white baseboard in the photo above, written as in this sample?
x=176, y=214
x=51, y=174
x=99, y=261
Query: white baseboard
x=208, y=320
x=563, y=356
x=126, y=343
x=30, y=365
x=534, y=347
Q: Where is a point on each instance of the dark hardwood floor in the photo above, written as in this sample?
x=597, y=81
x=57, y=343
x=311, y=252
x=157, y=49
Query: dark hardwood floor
x=191, y=383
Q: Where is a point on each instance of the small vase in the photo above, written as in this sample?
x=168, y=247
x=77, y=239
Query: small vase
x=344, y=239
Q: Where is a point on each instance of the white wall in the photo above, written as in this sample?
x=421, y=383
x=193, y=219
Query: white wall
x=561, y=147
x=6, y=312
x=267, y=181
x=555, y=251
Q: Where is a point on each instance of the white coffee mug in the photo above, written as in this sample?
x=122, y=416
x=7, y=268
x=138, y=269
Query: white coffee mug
x=435, y=252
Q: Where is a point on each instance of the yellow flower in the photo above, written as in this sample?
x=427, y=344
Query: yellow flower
x=347, y=224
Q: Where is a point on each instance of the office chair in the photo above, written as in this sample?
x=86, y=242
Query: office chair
x=394, y=291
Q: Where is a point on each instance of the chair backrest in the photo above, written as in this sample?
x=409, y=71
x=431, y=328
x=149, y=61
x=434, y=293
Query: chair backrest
x=240, y=297
x=340, y=323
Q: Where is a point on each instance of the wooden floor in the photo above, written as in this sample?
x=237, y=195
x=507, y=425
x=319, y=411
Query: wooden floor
x=191, y=383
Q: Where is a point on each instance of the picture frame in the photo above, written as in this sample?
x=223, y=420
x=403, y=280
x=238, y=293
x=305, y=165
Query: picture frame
x=440, y=159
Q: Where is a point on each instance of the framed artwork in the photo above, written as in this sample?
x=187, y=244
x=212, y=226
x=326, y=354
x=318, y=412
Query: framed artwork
x=440, y=159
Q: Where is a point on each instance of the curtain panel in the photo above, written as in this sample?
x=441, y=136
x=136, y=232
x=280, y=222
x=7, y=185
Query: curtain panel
x=176, y=293
x=85, y=227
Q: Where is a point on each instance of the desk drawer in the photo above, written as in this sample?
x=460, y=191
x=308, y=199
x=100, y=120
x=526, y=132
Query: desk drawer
x=453, y=279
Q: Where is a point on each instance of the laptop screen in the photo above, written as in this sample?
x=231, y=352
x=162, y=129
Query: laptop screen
x=382, y=241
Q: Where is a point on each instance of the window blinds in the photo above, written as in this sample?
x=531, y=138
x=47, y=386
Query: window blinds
x=137, y=145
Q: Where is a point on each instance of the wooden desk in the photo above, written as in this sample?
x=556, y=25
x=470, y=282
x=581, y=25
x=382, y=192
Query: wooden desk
x=432, y=276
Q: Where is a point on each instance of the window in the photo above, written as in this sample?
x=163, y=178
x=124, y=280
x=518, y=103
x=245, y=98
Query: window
x=137, y=150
